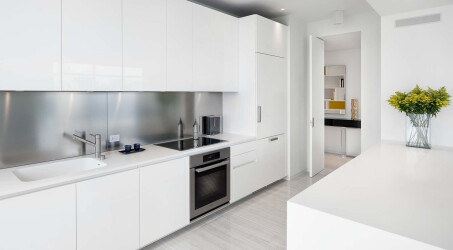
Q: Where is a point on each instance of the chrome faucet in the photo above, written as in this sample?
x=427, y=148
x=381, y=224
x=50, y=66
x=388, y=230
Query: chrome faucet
x=96, y=144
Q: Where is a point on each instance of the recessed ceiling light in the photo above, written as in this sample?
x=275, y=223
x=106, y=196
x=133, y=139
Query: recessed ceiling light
x=282, y=9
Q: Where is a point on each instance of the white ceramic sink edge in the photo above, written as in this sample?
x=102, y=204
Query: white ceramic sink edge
x=55, y=169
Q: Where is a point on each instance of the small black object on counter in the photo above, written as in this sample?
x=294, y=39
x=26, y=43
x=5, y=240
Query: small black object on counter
x=131, y=151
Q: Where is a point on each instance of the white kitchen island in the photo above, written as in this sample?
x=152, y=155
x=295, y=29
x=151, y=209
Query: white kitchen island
x=390, y=197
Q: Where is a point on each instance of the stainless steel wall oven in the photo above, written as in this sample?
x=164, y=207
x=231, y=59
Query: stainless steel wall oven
x=209, y=181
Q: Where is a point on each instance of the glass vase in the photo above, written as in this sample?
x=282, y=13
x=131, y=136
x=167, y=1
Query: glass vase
x=418, y=130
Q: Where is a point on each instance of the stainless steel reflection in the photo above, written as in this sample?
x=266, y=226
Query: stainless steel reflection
x=151, y=117
x=38, y=126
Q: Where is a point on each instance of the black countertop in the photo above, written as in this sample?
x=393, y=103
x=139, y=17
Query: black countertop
x=342, y=123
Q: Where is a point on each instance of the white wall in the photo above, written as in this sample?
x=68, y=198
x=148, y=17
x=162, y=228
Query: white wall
x=297, y=93
x=369, y=26
x=411, y=55
x=350, y=58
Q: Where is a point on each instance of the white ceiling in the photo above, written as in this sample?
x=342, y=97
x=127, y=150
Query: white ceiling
x=342, y=42
x=309, y=10
x=388, y=7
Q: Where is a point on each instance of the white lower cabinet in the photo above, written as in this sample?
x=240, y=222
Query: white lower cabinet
x=244, y=170
x=108, y=212
x=271, y=160
x=44, y=220
x=257, y=164
x=164, y=199
x=353, y=141
x=342, y=141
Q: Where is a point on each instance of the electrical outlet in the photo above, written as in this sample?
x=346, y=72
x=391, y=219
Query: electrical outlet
x=114, y=138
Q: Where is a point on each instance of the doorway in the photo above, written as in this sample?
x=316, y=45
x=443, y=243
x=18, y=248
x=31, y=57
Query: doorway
x=334, y=100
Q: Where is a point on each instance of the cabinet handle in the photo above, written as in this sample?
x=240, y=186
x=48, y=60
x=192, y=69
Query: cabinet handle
x=244, y=164
x=223, y=163
x=274, y=139
x=259, y=114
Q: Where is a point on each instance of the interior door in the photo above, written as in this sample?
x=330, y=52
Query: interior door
x=271, y=91
x=316, y=106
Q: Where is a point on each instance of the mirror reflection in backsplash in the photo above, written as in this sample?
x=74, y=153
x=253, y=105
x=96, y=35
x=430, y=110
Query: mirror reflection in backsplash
x=37, y=126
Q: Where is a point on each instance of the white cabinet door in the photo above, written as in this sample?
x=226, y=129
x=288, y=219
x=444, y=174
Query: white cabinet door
x=271, y=95
x=30, y=45
x=271, y=37
x=108, y=212
x=215, y=50
x=92, y=45
x=271, y=160
x=244, y=169
x=164, y=199
x=334, y=140
x=144, y=46
x=353, y=141
x=44, y=220
x=179, y=45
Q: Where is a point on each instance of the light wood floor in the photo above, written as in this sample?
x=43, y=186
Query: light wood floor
x=257, y=222
x=333, y=161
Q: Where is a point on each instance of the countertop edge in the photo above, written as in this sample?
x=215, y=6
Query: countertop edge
x=84, y=176
x=364, y=225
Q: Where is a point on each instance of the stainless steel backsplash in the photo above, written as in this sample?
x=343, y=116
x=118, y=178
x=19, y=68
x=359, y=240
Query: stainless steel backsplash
x=37, y=126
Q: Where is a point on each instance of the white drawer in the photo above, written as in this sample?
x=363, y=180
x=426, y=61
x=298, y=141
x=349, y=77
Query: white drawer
x=244, y=170
x=243, y=159
x=243, y=148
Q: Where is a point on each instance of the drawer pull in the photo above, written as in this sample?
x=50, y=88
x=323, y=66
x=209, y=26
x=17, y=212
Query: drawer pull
x=274, y=139
x=243, y=164
x=259, y=114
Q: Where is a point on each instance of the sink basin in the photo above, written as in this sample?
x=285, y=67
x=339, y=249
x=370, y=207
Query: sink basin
x=54, y=169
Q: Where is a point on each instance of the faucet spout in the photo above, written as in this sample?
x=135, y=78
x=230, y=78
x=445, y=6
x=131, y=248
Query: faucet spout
x=78, y=138
x=96, y=144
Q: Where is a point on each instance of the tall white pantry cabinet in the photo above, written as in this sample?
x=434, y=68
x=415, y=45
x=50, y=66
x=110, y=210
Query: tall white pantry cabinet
x=260, y=106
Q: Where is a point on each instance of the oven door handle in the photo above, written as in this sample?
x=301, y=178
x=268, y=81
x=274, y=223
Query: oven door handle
x=201, y=170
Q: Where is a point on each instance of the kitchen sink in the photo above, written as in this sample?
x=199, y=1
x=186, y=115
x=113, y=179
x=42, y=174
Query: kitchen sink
x=54, y=169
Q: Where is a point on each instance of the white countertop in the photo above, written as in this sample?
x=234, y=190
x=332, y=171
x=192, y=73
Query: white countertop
x=405, y=191
x=11, y=186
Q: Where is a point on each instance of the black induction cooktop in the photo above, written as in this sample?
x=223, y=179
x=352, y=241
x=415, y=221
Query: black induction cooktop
x=186, y=144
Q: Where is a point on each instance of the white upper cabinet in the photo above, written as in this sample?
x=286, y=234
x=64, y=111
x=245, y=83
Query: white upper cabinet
x=271, y=37
x=117, y=45
x=215, y=50
x=92, y=45
x=45, y=220
x=108, y=212
x=144, y=45
x=271, y=95
x=179, y=45
x=30, y=45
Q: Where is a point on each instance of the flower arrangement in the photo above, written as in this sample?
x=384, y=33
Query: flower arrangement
x=419, y=101
x=419, y=105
